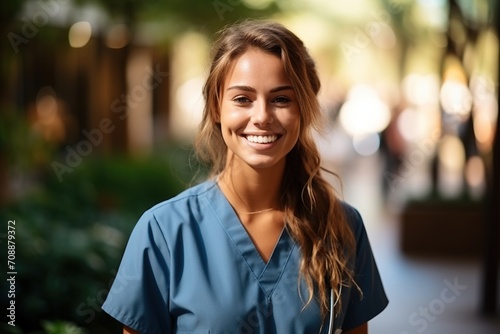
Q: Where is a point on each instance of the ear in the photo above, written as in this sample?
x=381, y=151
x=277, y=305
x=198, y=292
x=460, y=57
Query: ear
x=217, y=117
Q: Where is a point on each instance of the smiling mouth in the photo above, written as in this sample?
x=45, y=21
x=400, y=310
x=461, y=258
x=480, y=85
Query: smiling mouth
x=262, y=139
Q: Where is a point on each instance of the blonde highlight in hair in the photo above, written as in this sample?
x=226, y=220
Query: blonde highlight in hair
x=314, y=216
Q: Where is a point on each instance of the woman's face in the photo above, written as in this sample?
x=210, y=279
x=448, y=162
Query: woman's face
x=259, y=116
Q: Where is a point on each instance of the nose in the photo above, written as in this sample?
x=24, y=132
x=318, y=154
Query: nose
x=262, y=114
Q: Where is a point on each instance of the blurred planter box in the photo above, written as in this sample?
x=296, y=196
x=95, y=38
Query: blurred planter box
x=441, y=228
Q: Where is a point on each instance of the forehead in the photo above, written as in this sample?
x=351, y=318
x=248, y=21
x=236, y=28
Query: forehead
x=255, y=65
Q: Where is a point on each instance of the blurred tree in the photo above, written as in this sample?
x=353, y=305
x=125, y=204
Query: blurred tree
x=490, y=280
x=169, y=19
x=175, y=16
x=8, y=12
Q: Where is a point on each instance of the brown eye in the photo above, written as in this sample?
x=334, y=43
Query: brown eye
x=281, y=100
x=241, y=100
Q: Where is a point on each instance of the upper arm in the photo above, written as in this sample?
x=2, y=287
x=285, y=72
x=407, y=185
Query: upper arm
x=139, y=294
x=127, y=330
x=363, y=329
x=362, y=306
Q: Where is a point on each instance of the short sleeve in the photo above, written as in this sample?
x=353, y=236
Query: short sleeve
x=139, y=295
x=363, y=307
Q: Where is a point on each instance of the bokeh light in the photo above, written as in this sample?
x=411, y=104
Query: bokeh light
x=366, y=144
x=364, y=112
x=79, y=34
x=118, y=36
x=475, y=176
x=451, y=155
x=456, y=98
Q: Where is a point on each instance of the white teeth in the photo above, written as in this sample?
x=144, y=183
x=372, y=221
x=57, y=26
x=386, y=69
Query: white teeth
x=262, y=139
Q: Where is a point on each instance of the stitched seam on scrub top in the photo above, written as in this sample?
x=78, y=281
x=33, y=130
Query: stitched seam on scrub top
x=234, y=243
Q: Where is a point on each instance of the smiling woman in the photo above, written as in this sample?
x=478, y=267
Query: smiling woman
x=264, y=245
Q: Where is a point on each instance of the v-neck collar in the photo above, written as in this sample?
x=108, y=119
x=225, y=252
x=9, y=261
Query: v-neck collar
x=268, y=274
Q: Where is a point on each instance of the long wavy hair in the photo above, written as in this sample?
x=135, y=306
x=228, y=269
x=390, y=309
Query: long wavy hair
x=313, y=213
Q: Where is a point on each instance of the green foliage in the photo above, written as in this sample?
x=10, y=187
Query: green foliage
x=49, y=327
x=70, y=237
x=62, y=327
x=19, y=144
x=9, y=9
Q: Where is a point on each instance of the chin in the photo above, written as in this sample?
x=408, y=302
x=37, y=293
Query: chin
x=264, y=163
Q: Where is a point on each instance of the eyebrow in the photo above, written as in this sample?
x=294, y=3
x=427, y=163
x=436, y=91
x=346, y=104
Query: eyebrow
x=251, y=89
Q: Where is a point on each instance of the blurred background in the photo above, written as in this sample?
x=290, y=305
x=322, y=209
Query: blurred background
x=100, y=100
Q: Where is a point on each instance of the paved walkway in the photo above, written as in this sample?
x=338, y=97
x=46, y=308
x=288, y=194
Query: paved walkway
x=430, y=296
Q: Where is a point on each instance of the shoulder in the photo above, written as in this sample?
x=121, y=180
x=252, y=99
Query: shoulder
x=353, y=217
x=187, y=197
x=160, y=224
x=368, y=298
x=357, y=225
x=186, y=206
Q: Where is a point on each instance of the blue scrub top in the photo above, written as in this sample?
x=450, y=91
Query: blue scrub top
x=190, y=267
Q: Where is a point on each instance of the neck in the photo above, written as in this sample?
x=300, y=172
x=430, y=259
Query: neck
x=251, y=192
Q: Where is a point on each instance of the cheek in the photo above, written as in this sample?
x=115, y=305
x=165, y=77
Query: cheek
x=292, y=122
x=232, y=120
x=296, y=130
x=228, y=126
x=224, y=113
